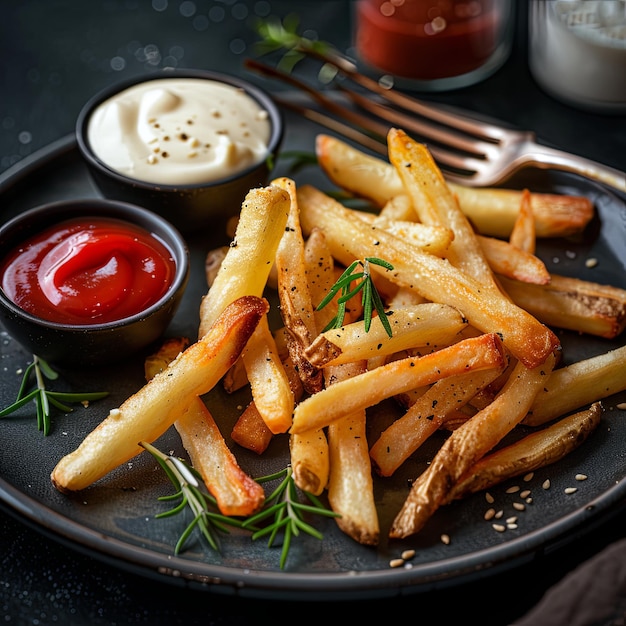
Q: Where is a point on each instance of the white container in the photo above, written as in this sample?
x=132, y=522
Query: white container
x=577, y=51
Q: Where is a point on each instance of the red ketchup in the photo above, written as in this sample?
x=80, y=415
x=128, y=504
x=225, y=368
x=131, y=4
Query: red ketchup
x=88, y=271
x=427, y=39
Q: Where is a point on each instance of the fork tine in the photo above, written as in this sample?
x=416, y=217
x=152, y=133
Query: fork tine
x=445, y=158
x=441, y=135
x=457, y=121
x=349, y=132
x=450, y=165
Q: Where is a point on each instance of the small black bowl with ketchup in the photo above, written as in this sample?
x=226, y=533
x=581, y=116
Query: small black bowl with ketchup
x=89, y=282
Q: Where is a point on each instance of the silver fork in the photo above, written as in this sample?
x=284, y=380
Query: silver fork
x=468, y=151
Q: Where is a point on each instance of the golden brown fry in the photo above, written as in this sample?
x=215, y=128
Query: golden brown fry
x=533, y=451
x=434, y=278
x=419, y=325
x=430, y=238
x=148, y=413
x=427, y=414
x=491, y=211
x=523, y=235
x=467, y=445
x=309, y=460
x=234, y=491
x=296, y=308
x=350, y=485
x=579, y=384
x=494, y=211
x=268, y=380
x=370, y=388
x=250, y=430
x=167, y=352
x=246, y=266
x=572, y=303
x=320, y=272
x=512, y=262
x=436, y=205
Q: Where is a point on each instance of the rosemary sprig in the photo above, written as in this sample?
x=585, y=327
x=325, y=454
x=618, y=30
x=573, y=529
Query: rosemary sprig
x=187, y=482
x=370, y=297
x=43, y=398
x=283, y=35
x=286, y=509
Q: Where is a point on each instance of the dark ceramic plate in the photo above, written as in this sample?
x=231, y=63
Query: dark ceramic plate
x=114, y=520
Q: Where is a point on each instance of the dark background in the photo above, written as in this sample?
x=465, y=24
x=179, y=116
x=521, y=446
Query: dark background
x=53, y=56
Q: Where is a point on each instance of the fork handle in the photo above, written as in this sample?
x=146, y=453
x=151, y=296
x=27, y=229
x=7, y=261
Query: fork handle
x=545, y=157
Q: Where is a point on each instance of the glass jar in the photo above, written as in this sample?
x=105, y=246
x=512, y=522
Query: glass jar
x=433, y=45
x=577, y=52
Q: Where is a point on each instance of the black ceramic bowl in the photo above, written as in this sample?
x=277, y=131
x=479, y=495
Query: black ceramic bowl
x=93, y=343
x=193, y=206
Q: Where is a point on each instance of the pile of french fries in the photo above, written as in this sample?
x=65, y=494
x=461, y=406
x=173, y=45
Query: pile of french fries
x=472, y=349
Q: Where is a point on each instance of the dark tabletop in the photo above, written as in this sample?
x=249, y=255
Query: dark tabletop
x=54, y=54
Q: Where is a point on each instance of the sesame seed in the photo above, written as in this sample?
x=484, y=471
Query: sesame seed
x=570, y=490
x=525, y=493
x=445, y=539
x=408, y=554
x=621, y=406
x=513, y=489
x=581, y=477
x=499, y=527
x=499, y=514
x=528, y=500
x=490, y=514
x=529, y=477
x=546, y=484
x=519, y=506
x=511, y=526
x=396, y=563
x=591, y=262
x=489, y=498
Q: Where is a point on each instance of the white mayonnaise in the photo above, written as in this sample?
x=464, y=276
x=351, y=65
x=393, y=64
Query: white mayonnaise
x=177, y=131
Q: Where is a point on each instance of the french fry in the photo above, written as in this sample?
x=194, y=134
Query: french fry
x=370, y=388
x=530, y=453
x=295, y=300
x=246, y=266
x=572, y=303
x=350, y=484
x=523, y=234
x=430, y=238
x=149, y=412
x=467, y=445
x=579, y=384
x=235, y=492
x=167, y=352
x=309, y=460
x=501, y=256
x=250, y=430
x=419, y=325
x=268, y=380
x=402, y=438
x=492, y=211
x=512, y=262
x=436, y=205
x=432, y=277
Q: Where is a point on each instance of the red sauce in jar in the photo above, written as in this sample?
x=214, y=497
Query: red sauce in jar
x=427, y=39
x=88, y=271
